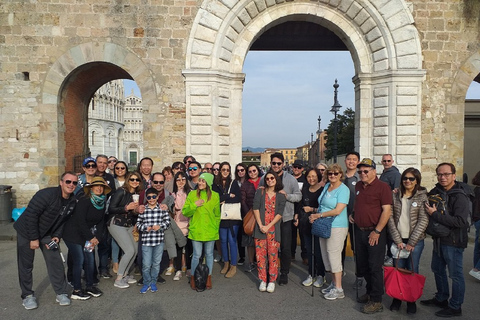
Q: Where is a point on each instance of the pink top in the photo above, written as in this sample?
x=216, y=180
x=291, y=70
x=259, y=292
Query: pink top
x=180, y=219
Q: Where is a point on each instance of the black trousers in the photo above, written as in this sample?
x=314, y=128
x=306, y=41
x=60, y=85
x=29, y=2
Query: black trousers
x=53, y=260
x=285, y=246
x=370, y=262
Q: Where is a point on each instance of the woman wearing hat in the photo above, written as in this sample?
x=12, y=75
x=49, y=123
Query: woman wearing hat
x=202, y=206
x=81, y=236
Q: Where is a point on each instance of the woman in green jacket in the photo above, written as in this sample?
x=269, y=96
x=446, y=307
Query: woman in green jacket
x=203, y=208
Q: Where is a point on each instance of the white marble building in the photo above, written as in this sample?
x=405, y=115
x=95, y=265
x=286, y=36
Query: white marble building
x=133, y=134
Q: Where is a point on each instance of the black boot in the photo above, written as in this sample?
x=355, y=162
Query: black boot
x=411, y=307
x=395, y=306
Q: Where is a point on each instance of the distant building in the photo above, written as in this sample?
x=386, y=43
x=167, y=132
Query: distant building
x=133, y=120
x=317, y=150
x=302, y=153
x=105, y=120
x=251, y=158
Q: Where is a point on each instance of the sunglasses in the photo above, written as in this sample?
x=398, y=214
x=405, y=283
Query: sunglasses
x=158, y=182
x=386, y=160
x=208, y=169
x=134, y=179
x=110, y=161
x=88, y=166
x=151, y=197
x=71, y=182
x=297, y=167
x=333, y=173
x=188, y=161
x=269, y=178
x=276, y=163
x=120, y=168
x=181, y=179
x=240, y=170
x=192, y=168
x=322, y=170
x=409, y=179
x=363, y=171
x=216, y=169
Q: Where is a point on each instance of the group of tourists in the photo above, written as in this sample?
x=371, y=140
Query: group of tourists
x=114, y=219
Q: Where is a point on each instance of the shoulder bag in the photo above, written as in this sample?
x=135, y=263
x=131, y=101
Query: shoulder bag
x=231, y=211
x=322, y=227
x=403, y=284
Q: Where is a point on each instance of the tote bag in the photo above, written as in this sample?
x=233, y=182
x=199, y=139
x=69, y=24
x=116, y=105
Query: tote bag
x=231, y=211
x=403, y=284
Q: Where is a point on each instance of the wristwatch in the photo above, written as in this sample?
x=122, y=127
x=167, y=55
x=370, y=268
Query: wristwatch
x=376, y=231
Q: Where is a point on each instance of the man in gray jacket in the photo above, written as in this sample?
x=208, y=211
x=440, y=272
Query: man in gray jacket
x=293, y=194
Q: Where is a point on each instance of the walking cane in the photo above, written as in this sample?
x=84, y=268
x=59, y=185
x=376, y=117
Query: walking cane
x=355, y=257
x=313, y=259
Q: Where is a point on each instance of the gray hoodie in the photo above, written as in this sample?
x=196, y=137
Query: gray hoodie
x=391, y=177
x=290, y=185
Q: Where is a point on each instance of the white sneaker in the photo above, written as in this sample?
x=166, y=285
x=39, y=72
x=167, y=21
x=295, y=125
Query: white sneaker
x=271, y=287
x=308, y=282
x=262, y=287
x=130, y=279
x=327, y=289
x=169, y=271
x=334, y=294
x=319, y=282
x=475, y=274
x=178, y=275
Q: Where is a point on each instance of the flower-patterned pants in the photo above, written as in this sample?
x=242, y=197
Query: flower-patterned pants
x=267, y=257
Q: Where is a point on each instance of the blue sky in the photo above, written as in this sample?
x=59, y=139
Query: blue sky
x=285, y=92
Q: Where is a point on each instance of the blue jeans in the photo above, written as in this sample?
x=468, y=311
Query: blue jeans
x=229, y=240
x=151, y=259
x=476, y=250
x=416, y=254
x=81, y=260
x=197, y=253
x=452, y=258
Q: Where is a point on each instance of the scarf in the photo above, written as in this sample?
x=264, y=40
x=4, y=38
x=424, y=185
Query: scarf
x=98, y=201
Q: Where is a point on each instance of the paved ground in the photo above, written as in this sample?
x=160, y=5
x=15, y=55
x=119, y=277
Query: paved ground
x=236, y=298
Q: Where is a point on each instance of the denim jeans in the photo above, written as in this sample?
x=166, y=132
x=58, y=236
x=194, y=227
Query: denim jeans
x=197, y=253
x=81, y=260
x=317, y=267
x=452, y=258
x=476, y=250
x=229, y=240
x=152, y=257
x=416, y=254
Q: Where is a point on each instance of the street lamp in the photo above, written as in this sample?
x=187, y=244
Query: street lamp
x=335, y=108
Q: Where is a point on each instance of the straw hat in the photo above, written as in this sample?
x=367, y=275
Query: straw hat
x=98, y=181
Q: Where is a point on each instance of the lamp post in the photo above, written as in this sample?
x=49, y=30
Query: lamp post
x=335, y=108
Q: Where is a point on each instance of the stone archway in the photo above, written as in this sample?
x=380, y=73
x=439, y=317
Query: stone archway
x=71, y=82
x=385, y=49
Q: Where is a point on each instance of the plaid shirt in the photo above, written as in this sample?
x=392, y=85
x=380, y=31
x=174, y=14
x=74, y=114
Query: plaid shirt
x=149, y=218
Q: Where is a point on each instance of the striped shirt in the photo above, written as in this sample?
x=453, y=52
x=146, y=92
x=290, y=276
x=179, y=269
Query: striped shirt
x=150, y=218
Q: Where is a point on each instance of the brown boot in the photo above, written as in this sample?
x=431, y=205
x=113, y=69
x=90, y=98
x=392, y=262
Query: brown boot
x=231, y=272
x=209, y=282
x=225, y=267
x=192, y=283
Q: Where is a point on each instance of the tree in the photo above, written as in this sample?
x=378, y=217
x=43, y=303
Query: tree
x=345, y=136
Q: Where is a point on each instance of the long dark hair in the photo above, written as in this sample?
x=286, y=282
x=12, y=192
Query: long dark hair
x=418, y=178
x=120, y=162
x=256, y=167
x=278, y=181
x=127, y=185
x=241, y=164
x=186, y=187
x=219, y=178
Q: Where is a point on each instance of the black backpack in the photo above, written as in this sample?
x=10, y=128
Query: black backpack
x=200, y=277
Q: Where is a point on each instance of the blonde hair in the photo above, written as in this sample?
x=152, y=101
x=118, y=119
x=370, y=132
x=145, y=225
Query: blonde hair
x=336, y=168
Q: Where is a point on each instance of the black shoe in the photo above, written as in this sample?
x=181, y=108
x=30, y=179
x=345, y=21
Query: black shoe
x=395, y=306
x=79, y=295
x=106, y=275
x=364, y=298
x=435, y=303
x=449, y=312
x=140, y=282
x=161, y=280
x=411, y=308
x=241, y=261
x=94, y=292
x=283, y=279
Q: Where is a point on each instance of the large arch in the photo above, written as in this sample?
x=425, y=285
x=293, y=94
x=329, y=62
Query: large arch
x=68, y=87
x=380, y=36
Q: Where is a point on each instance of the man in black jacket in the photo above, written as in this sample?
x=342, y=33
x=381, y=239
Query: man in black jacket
x=40, y=227
x=448, y=250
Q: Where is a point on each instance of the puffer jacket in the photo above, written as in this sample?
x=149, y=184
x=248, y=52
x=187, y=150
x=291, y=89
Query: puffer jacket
x=418, y=218
x=204, y=220
x=45, y=215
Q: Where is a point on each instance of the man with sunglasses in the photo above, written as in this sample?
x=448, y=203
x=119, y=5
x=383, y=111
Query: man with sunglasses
x=40, y=227
x=194, y=170
x=390, y=174
x=293, y=194
x=372, y=209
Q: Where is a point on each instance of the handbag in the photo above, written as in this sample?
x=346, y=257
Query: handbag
x=403, y=284
x=231, y=211
x=249, y=223
x=322, y=227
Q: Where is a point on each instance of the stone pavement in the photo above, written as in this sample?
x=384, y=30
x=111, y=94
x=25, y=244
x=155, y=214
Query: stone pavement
x=236, y=298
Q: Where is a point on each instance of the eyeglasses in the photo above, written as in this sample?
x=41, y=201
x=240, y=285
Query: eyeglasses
x=386, y=160
x=363, y=171
x=225, y=170
x=120, y=168
x=71, y=182
x=113, y=160
x=158, y=182
x=209, y=169
x=88, y=166
x=333, y=173
x=409, y=178
x=276, y=163
x=240, y=170
x=269, y=178
x=134, y=179
x=216, y=169
x=297, y=167
x=252, y=171
x=446, y=175
x=192, y=168
x=151, y=197
x=181, y=179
